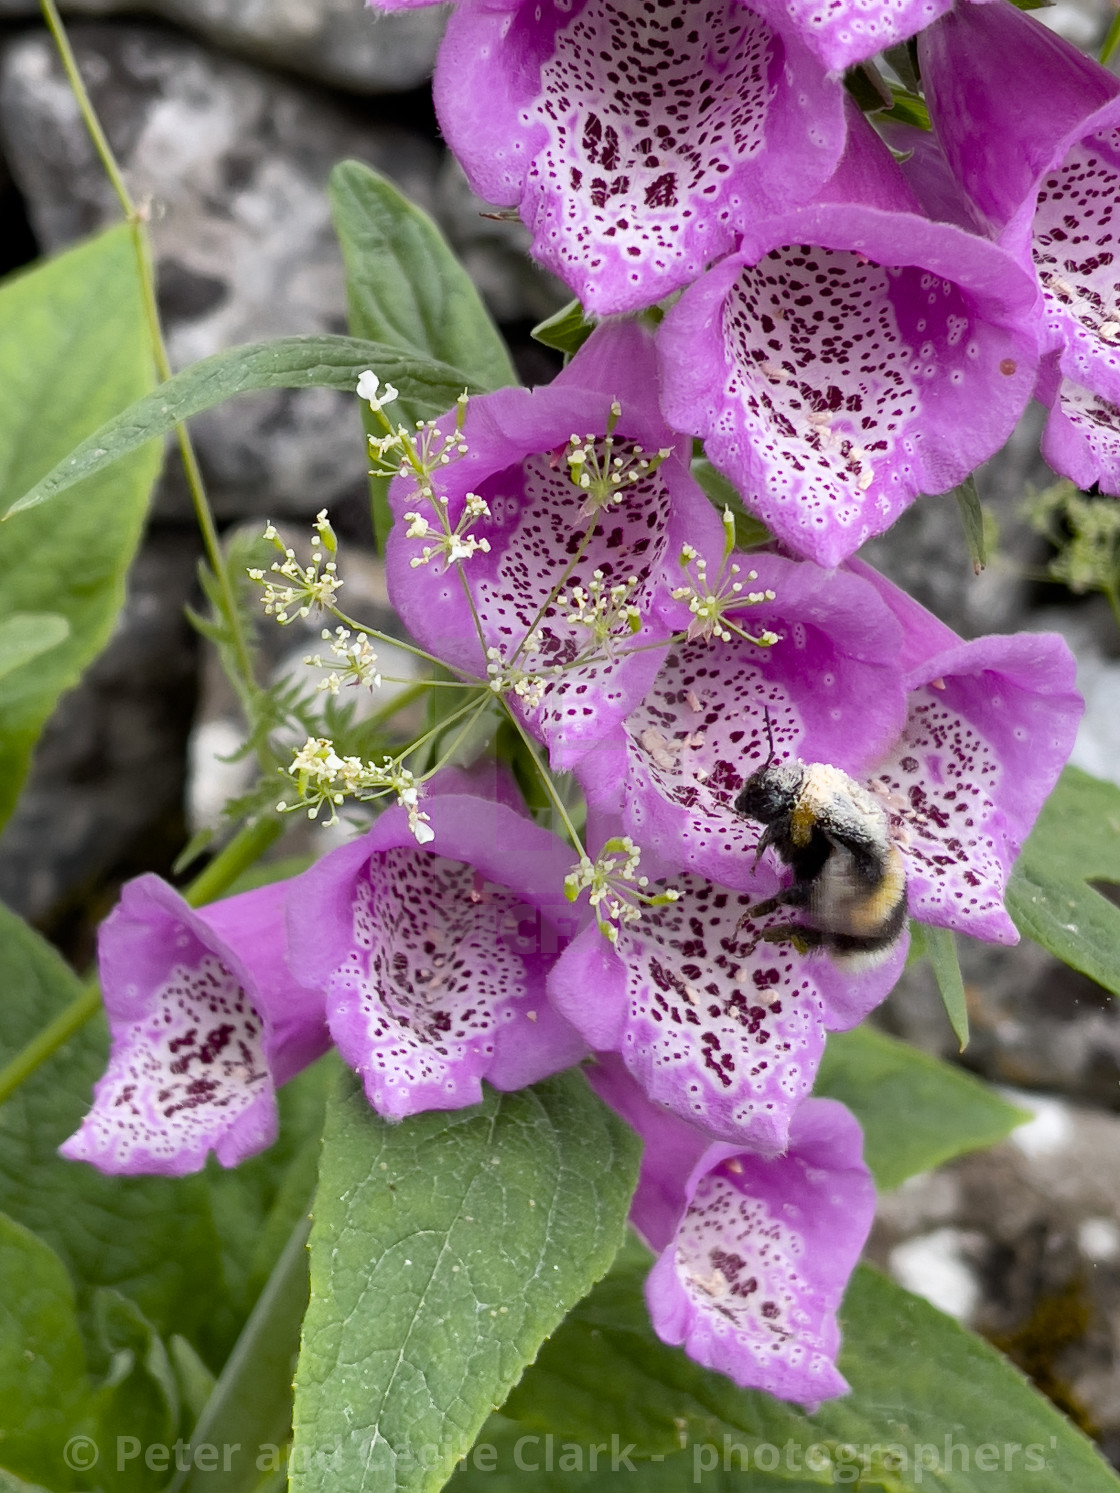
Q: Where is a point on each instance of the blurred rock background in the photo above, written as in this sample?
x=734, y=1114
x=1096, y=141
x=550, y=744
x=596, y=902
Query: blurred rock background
x=227, y=116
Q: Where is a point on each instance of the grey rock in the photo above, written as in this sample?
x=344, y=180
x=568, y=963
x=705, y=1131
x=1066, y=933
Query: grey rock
x=1022, y=1243
x=341, y=42
x=106, y=780
x=233, y=164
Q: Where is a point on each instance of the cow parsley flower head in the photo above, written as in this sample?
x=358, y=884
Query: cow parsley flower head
x=580, y=501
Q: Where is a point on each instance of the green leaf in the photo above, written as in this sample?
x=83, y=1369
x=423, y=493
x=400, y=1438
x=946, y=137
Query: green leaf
x=257, y=1205
x=749, y=531
x=74, y=351
x=507, y=1458
x=1112, y=39
x=444, y=1250
x=405, y=287
x=25, y=635
x=565, y=330
x=972, y=516
x=324, y=361
x=44, y=1391
x=251, y=1405
x=923, y=1389
x=916, y=1111
x=151, y=1238
x=139, y=1401
x=941, y=946
x=1075, y=842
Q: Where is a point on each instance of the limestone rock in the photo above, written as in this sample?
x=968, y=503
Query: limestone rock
x=234, y=165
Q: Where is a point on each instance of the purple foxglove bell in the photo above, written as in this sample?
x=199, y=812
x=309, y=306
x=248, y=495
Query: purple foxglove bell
x=754, y=1252
x=851, y=355
x=582, y=502
x=959, y=744
x=1035, y=143
x=206, y=1022
x=636, y=140
x=433, y=959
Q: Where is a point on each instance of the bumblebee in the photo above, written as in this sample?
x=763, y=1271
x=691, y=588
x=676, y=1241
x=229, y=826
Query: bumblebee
x=849, y=880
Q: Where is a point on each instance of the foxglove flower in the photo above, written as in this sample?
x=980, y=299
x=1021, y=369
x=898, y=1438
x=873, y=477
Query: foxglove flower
x=206, y=1022
x=583, y=502
x=755, y=1253
x=1035, y=144
x=959, y=742
x=433, y=959
x=850, y=355
x=715, y=1024
x=635, y=139
x=962, y=741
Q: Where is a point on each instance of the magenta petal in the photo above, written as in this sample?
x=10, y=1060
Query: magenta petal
x=991, y=725
x=636, y=140
x=721, y=1028
x=671, y=1147
x=848, y=358
x=1082, y=436
x=844, y=32
x=753, y=1278
x=1002, y=127
x=205, y=1019
x=831, y=685
x=434, y=959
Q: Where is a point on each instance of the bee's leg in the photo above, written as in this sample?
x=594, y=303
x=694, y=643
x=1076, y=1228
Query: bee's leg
x=803, y=939
x=793, y=896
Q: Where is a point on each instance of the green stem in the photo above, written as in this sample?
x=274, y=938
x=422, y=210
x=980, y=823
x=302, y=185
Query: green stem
x=137, y=218
x=549, y=786
x=391, y=642
x=50, y=1039
x=243, y=851
x=245, y=848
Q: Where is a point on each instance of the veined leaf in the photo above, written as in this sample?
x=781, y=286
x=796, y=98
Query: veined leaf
x=1075, y=842
x=404, y=286
x=444, y=1251
x=25, y=635
x=44, y=1393
x=916, y=1111
x=406, y=289
x=74, y=351
x=324, y=361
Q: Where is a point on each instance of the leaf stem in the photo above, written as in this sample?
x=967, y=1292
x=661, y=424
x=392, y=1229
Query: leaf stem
x=549, y=786
x=136, y=218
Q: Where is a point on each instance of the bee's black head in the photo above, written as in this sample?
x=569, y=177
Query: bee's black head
x=770, y=793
